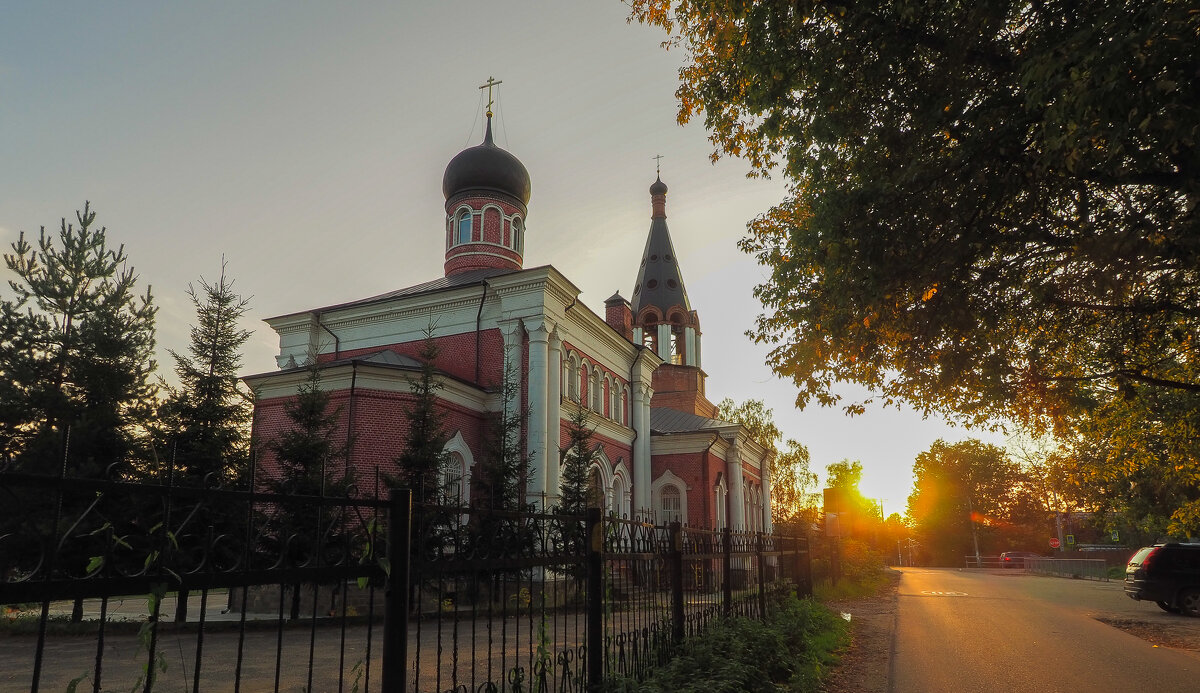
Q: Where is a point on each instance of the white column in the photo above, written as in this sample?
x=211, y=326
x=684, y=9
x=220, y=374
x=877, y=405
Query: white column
x=737, y=487
x=641, y=449
x=664, y=342
x=692, y=358
x=637, y=335
x=536, y=440
x=553, y=417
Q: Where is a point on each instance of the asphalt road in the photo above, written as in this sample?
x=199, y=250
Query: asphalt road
x=960, y=632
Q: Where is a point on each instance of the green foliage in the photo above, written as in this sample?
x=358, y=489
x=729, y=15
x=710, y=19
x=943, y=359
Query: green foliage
x=992, y=207
x=791, y=650
x=424, y=457
x=311, y=463
x=966, y=491
x=206, y=417
x=75, y=359
x=499, y=476
x=576, y=459
x=791, y=477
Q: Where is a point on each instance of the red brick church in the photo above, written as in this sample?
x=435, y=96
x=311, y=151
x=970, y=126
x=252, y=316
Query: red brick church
x=637, y=367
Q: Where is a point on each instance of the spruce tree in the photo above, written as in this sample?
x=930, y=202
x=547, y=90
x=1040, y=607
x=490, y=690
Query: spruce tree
x=423, y=458
x=207, y=415
x=312, y=462
x=500, y=477
x=577, y=491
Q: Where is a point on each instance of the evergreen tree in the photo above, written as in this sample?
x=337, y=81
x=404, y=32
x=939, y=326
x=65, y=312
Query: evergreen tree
x=208, y=415
x=76, y=355
x=311, y=463
x=500, y=476
x=578, y=493
x=424, y=457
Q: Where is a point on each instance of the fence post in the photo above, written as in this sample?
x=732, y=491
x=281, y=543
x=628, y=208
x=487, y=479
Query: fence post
x=395, y=620
x=595, y=599
x=675, y=560
x=804, y=586
x=727, y=569
x=762, y=576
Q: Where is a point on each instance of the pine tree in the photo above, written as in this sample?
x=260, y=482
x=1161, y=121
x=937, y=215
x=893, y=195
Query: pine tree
x=77, y=354
x=207, y=416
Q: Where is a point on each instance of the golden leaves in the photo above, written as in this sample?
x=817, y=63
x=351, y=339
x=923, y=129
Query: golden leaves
x=930, y=292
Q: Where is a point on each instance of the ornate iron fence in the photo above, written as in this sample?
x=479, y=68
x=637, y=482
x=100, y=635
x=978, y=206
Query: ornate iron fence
x=243, y=590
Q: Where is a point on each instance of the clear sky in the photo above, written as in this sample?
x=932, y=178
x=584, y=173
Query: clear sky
x=305, y=142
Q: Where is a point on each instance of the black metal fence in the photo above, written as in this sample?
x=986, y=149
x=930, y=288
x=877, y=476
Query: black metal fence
x=241, y=590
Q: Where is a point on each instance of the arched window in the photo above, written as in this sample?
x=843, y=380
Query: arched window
x=464, y=227
x=618, y=506
x=572, y=378
x=583, y=383
x=454, y=472
x=670, y=504
x=595, y=489
x=597, y=392
x=678, y=345
x=650, y=337
x=614, y=401
x=518, y=233
x=720, y=494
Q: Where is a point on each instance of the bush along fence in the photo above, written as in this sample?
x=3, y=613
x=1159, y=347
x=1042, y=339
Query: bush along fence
x=198, y=588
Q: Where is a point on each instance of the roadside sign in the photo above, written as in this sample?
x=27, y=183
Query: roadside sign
x=1116, y=535
x=1054, y=543
x=1070, y=540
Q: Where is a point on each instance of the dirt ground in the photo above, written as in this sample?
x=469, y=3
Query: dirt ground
x=864, y=667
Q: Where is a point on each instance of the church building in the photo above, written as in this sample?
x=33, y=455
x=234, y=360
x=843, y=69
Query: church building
x=662, y=453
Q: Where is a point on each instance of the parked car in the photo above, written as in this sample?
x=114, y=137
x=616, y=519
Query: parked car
x=1168, y=575
x=1016, y=559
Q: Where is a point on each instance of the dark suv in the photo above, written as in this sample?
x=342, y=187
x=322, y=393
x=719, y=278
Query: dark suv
x=1168, y=575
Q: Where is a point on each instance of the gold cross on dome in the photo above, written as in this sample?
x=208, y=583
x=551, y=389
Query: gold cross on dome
x=658, y=164
x=492, y=81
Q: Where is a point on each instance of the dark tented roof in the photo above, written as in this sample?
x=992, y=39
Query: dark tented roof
x=659, y=281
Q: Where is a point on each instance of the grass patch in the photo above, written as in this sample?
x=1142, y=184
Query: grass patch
x=860, y=586
x=791, y=651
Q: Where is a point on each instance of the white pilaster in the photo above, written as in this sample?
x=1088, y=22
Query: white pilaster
x=539, y=334
x=554, y=369
x=641, y=449
x=664, y=342
x=737, y=487
x=692, y=358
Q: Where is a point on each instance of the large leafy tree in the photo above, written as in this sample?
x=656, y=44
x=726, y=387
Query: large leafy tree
x=207, y=416
x=992, y=208
x=791, y=476
x=966, y=495
x=76, y=356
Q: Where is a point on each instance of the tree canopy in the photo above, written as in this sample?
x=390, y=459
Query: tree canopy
x=992, y=206
x=791, y=476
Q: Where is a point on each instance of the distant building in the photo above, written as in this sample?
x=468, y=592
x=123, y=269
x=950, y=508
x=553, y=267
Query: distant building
x=637, y=369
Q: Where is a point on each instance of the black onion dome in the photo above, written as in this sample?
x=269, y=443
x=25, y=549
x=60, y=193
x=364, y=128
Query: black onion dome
x=486, y=167
x=658, y=187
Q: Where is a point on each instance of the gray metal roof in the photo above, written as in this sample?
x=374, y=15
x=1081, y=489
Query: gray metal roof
x=439, y=284
x=663, y=420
